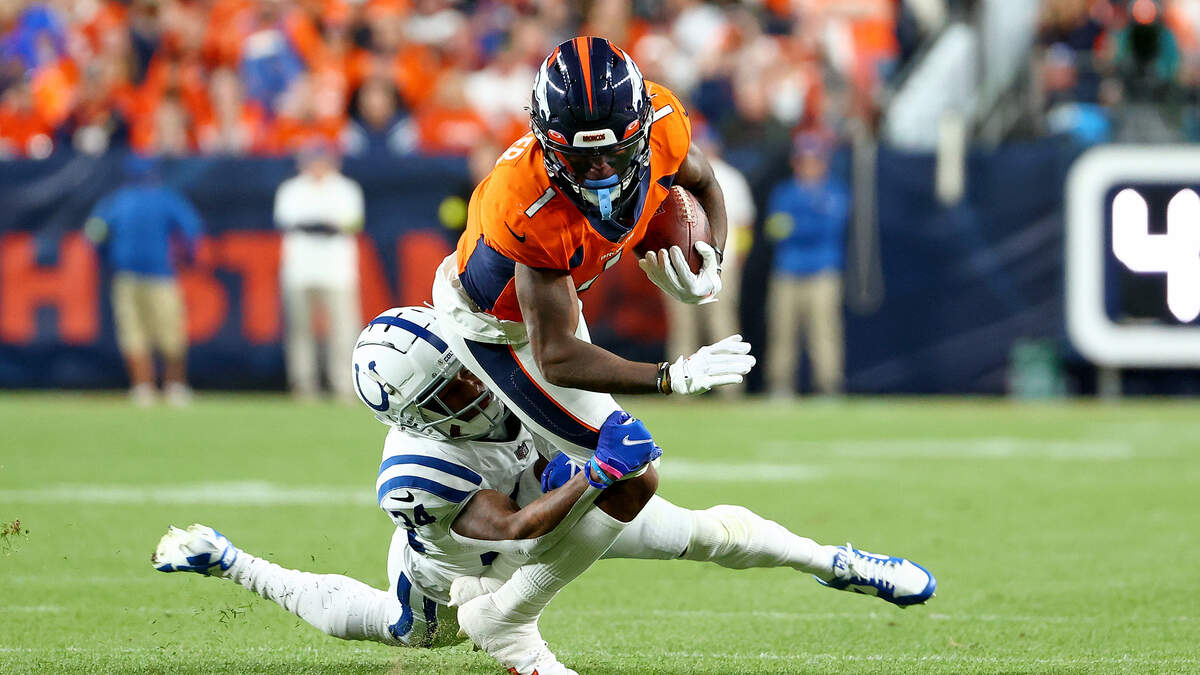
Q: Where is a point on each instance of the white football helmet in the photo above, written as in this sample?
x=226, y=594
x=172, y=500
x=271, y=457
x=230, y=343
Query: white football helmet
x=401, y=368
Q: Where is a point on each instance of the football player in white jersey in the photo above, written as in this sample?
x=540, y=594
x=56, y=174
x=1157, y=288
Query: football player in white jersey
x=474, y=498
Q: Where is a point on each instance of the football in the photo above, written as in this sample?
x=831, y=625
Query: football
x=680, y=221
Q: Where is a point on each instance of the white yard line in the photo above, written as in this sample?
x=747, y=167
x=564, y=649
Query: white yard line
x=706, y=614
x=999, y=447
x=240, y=493
x=263, y=493
x=1014, y=661
x=652, y=614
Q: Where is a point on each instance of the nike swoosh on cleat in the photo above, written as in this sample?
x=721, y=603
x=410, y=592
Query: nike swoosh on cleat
x=409, y=498
x=518, y=237
x=626, y=441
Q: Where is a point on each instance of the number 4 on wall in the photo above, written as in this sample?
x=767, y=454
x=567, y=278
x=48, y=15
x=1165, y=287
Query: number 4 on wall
x=1176, y=253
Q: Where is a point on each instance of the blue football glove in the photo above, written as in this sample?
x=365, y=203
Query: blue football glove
x=558, y=471
x=625, y=446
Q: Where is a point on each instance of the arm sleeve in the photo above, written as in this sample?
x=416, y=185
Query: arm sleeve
x=671, y=132
x=96, y=227
x=186, y=219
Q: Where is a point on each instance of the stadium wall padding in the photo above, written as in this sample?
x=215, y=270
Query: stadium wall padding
x=961, y=283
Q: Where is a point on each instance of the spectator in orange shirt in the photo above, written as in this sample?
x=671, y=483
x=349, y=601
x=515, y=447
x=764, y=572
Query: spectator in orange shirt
x=53, y=83
x=22, y=132
x=232, y=127
x=300, y=122
x=96, y=123
x=448, y=124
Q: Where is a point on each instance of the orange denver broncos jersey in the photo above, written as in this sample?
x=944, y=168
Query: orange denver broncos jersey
x=516, y=215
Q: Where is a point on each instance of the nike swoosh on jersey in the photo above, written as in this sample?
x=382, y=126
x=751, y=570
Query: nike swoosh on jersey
x=626, y=441
x=518, y=237
x=409, y=498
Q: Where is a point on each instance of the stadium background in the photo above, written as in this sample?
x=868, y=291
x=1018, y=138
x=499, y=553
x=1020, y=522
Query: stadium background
x=960, y=284
x=1059, y=531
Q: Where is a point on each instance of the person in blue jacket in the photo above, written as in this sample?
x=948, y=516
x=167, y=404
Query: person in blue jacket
x=141, y=231
x=806, y=218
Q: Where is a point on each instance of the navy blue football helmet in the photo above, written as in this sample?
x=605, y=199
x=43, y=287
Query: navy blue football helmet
x=591, y=114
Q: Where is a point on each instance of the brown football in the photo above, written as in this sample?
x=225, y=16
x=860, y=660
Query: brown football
x=680, y=221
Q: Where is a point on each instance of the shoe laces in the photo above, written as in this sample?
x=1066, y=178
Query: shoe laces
x=873, y=570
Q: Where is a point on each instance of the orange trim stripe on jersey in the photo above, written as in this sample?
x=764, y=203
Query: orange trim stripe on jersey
x=548, y=396
x=583, y=45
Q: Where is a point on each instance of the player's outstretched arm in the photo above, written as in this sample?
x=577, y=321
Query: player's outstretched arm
x=624, y=450
x=492, y=516
x=551, y=312
x=549, y=306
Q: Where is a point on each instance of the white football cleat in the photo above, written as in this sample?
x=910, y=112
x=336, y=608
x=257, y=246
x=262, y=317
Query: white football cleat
x=899, y=581
x=199, y=549
x=517, y=646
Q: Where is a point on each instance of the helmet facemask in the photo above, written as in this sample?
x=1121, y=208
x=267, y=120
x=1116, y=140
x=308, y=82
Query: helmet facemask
x=453, y=406
x=614, y=166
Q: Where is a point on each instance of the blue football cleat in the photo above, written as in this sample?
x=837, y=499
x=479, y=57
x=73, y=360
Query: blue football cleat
x=199, y=549
x=899, y=581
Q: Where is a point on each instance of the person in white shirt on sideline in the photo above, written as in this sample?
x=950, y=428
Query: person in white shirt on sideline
x=320, y=212
x=693, y=326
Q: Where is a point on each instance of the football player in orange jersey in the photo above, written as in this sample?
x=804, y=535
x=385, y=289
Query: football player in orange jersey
x=563, y=204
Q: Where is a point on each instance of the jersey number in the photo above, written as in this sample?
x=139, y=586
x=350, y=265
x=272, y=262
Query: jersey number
x=516, y=149
x=420, y=518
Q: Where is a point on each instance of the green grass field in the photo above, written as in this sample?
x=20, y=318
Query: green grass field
x=1065, y=538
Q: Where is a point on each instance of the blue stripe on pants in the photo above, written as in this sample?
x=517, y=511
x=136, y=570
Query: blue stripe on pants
x=501, y=364
x=401, y=628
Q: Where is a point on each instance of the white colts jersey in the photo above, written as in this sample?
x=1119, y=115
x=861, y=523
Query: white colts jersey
x=423, y=485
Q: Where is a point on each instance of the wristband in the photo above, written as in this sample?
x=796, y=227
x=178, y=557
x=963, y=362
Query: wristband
x=664, y=378
x=605, y=479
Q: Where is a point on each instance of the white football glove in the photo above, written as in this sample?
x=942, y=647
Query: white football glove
x=725, y=362
x=670, y=272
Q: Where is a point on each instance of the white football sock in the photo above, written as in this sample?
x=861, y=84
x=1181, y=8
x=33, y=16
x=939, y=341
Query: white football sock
x=737, y=538
x=336, y=605
x=661, y=531
x=533, y=585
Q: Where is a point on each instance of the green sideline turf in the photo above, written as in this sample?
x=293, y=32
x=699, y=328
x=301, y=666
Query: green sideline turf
x=1064, y=538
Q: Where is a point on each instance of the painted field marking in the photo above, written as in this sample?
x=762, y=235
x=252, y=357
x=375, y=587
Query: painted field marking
x=264, y=493
x=706, y=614
x=999, y=447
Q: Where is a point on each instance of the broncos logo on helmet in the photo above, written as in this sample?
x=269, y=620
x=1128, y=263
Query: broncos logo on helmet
x=591, y=114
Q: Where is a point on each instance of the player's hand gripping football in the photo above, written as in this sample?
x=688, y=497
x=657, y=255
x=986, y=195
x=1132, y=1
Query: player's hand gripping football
x=623, y=451
x=725, y=362
x=669, y=271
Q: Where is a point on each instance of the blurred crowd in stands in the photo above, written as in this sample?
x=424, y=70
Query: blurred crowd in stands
x=267, y=77
x=1120, y=70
